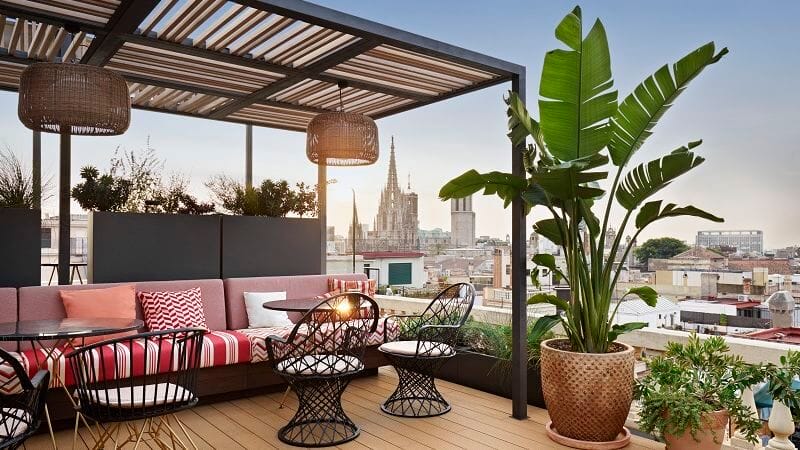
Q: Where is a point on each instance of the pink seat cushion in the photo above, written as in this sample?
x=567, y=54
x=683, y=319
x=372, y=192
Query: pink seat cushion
x=118, y=302
x=8, y=313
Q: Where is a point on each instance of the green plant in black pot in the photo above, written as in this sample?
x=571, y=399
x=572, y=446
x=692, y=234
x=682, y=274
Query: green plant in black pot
x=691, y=392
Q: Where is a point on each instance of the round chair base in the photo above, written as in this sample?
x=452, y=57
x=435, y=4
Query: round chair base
x=621, y=441
x=416, y=407
x=318, y=434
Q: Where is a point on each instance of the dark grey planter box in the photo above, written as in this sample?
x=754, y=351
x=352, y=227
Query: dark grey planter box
x=150, y=247
x=21, y=244
x=270, y=246
x=481, y=372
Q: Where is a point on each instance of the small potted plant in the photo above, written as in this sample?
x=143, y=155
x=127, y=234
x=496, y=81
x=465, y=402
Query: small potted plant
x=693, y=390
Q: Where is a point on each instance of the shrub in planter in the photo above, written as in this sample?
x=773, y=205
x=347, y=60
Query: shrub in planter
x=693, y=389
x=16, y=183
x=271, y=198
x=106, y=192
x=582, y=133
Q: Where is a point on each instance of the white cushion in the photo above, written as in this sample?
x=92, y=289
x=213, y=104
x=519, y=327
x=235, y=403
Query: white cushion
x=260, y=317
x=140, y=396
x=15, y=422
x=320, y=365
x=409, y=348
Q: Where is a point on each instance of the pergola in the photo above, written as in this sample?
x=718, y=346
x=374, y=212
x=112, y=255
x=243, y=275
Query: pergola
x=272, y=63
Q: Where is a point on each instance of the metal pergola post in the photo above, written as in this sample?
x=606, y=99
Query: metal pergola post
x=322, y=193
x=248, y=155
x=519, y=283
x=36, y=169
x=63, y=208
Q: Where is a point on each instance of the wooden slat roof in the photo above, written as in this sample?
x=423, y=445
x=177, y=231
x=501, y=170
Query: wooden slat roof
x=273, y=63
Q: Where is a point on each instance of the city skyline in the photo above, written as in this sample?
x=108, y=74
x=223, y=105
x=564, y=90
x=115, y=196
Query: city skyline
x=747, y=179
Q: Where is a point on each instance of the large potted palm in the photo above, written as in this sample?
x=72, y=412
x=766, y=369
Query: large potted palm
x=582, y=134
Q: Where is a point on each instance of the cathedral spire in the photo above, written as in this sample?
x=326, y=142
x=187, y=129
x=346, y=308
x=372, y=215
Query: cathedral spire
x=392, y=184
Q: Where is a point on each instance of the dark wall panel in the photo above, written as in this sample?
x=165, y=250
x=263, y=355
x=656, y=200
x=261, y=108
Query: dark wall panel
x=268, y=246
x=151, y=247
x=20, y=247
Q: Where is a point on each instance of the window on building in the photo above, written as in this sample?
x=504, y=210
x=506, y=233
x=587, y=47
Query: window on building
x=508, y=269
x=47, y=237
x=399, y=273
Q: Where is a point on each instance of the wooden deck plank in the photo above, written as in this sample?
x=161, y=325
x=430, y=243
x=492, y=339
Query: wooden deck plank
x=478, y=420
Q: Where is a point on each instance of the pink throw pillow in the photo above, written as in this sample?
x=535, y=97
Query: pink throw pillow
x=118, y=302
x=171, y=310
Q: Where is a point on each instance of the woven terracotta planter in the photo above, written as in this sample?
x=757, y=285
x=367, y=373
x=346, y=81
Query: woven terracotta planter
x=708, y=438
x=588, y=395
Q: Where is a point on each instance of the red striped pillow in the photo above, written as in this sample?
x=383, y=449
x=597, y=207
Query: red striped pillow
x=169, y=310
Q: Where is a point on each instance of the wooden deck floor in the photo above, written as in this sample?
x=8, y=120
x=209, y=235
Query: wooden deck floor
x=478, y=420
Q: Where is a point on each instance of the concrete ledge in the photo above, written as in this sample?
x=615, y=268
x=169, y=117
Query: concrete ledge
x=753, y=351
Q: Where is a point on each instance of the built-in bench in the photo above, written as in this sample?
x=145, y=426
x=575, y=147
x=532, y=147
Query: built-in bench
x=234, y=358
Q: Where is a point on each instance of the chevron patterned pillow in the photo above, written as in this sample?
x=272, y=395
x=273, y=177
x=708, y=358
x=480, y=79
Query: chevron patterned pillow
x=170, y=310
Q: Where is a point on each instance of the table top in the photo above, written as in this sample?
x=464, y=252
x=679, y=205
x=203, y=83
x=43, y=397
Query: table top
x=293, y=305
x=296, y=305
x=65, y=328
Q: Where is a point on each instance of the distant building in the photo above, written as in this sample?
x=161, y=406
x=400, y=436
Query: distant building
x=78, y=243
x=696, y=258
x=435, y=240
x=745, y=241
x=462, y=222
x=397, y=268
x=396, y=227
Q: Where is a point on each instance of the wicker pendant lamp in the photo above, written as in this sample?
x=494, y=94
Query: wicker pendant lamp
x=73, y=98
x=342, y=138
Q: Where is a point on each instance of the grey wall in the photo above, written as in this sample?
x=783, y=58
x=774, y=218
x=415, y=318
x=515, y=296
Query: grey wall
x=268, y=246
x=20, y=247
x=151, y=247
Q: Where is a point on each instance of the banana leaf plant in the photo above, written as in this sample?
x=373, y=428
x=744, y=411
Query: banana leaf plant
x=582, y=134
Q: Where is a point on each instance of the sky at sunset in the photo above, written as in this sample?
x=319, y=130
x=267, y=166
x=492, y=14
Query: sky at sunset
x=745, y=109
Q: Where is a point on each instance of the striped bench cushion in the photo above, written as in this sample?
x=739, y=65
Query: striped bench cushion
x=258, y=337
x=220, y=348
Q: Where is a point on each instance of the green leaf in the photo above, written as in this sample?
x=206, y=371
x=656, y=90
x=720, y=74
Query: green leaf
x=550, y=299
x=646, y=179
x=504, y=185
x=545, y=260
x=617, y=329
x=535, y=278
x=576, y=102
x=534, y=195
x=520, y=123
x=646, y=293
x=543, y=325
x=549, y=229
x=652, y=211
x=638, y=114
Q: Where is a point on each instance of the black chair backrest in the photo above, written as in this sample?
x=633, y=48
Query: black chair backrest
x=139, y=376
x=329, y=339
x=22, y=401
x=441, y=320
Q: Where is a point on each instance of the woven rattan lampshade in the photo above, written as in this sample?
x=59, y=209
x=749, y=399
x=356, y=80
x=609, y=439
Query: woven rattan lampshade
x=342, y=139
x=76, y=98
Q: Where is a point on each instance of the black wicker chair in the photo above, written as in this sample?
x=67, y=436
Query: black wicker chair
x=147, y=376
x=318, y=359
x=21, y=410
x=425, y=342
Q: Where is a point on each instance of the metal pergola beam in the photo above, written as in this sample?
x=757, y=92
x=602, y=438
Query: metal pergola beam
x=311, y=71
x=357, y=26
x=127, y=17
x=264, y=65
